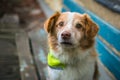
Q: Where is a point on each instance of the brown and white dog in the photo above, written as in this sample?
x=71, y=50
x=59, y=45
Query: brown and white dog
x=71, y=38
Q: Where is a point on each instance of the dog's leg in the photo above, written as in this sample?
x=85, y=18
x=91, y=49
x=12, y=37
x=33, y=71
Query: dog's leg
x=96, y=73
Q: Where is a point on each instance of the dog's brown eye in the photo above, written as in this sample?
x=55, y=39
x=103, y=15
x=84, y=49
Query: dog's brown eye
x=78, y=25
x=61, y=23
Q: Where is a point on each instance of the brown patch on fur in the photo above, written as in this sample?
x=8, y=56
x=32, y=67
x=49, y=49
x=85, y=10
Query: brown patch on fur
x=91, y=30
x=50, y=23
x=86, y=43
x=49, y=27
x=93, y=52
x=91, y=27
x=52, y=40
x=96, y=72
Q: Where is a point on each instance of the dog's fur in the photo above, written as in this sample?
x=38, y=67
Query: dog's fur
x=71, y=38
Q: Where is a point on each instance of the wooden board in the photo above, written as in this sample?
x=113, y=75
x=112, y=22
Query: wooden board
x=27, y=68
x=9, y=61
x=40, y=49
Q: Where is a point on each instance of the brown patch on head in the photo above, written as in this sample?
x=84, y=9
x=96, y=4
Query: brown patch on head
x=91, y=27
x=50, y=23
x=91, y=30
x=49, y=27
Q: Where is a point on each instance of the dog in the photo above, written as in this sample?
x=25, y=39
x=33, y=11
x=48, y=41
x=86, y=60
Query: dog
x=71, y=38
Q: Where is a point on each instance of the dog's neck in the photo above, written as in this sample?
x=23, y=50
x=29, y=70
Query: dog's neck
x=71, y=57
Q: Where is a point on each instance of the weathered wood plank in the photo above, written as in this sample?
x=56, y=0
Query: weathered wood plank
x=9, y=62
x=27, y=68
x=40, y=49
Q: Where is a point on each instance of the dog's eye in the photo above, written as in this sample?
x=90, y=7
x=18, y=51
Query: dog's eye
x=78, y=25
x=61, y=23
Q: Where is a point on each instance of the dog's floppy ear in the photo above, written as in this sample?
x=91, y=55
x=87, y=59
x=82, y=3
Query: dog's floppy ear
x=50, y=23
x=91, y=27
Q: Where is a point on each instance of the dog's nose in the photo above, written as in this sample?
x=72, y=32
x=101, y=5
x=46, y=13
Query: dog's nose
x=65, y=35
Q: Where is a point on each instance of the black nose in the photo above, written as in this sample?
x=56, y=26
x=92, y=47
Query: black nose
x=65, y=35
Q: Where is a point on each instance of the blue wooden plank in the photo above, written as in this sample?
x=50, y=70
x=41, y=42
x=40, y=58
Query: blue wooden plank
x=108, y=58
x=107, y=31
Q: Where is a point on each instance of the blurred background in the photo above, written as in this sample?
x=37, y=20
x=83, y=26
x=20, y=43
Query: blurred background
x=23, y=42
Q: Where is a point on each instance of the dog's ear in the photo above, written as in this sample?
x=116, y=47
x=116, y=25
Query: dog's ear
x=91, y=27
x=50, y=23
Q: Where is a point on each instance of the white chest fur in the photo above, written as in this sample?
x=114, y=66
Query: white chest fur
x=84, y=70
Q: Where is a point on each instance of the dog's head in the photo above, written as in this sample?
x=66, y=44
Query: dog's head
x=70, y=30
